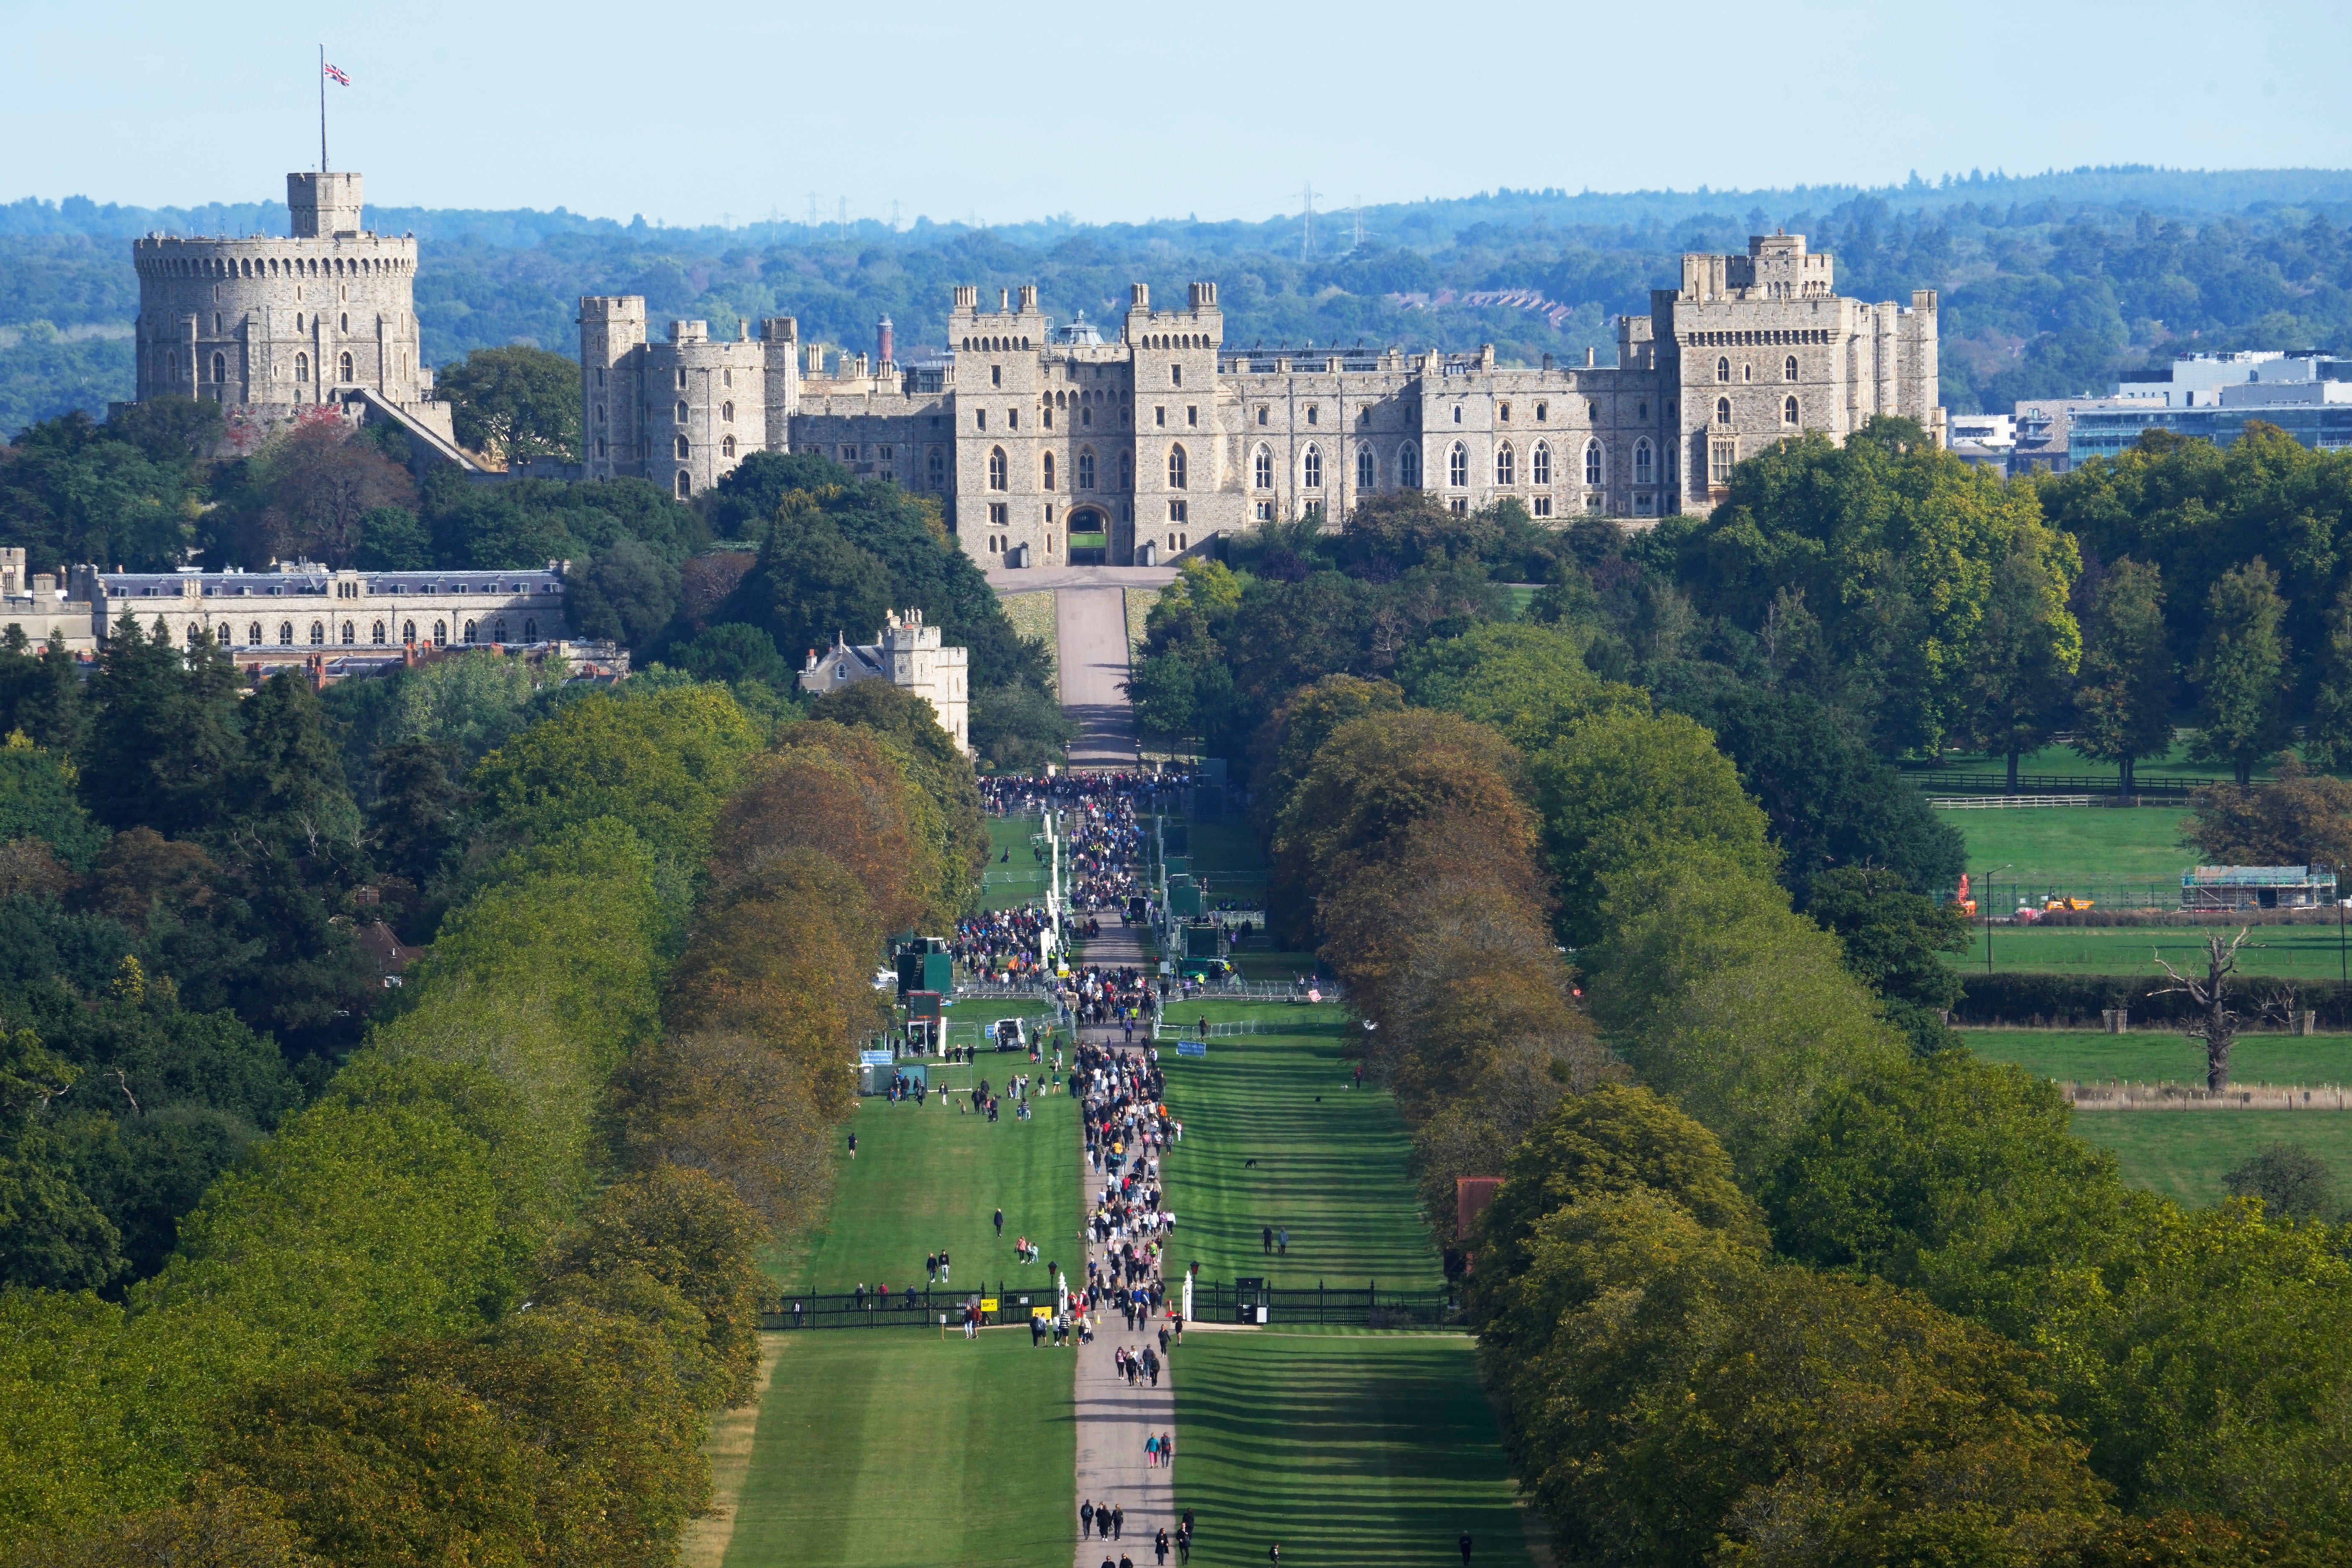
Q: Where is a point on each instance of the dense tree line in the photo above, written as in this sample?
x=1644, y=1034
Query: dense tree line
x=472, y=1295
x=1621, y=893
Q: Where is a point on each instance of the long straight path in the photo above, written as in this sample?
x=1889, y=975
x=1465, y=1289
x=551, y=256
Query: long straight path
x=1115, y=1418
x=1090, y=624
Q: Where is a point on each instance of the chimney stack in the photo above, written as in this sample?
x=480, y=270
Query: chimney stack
x=882, y=342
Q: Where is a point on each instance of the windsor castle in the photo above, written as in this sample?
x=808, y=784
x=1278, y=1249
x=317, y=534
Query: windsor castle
x=1063, y=443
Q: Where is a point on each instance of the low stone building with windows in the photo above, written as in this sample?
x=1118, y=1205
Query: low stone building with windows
x=303, y=608
x=1040, y=439
x=909, y=655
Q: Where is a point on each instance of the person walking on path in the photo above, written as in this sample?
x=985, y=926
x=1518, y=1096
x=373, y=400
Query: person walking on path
x=1282, y=1242
x=1086, y=1519
x=1167, y=1450
x=1274, y=1554
x=1464, y=1544
x=1151, y=1450
x=1265, y=1238
x=853, y=1145
x=1159, y=1545
x=1118, y=1519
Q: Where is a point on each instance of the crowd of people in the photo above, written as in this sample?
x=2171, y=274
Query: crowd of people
x=1002, y=945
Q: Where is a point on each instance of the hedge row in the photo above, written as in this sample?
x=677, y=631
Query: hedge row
x=2078, y=1000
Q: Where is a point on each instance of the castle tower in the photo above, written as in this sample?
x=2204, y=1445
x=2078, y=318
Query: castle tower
x=272, y=325
x=612, y=391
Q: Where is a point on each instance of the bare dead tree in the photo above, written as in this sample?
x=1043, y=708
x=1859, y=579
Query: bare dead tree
x=2217, y=1025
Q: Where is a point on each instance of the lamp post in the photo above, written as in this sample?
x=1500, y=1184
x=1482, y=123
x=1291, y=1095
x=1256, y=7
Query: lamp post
x=1989, y=877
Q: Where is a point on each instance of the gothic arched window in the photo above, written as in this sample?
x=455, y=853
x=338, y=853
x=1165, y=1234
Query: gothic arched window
x=220, y=369
x=1409, y=466
x=1367, y=473
x=1592, y=475
x=286, y=633
x=1506, y=464
x=346, y=366
x=1049, y=470
x=683, y=449
x=351, y=634
x=1262, y=469
x=1539, y=465
x=685, y=485
x=302, y=368
x=1311, y=468
x=1000, y=476
x=1789, y=411
x=1086, y=469
x=1722, y=370
x=253, y=635
x=317, y=634
x=1642, y=461
x=1723, y=411
x=1457, y=465
x=378, y=639
x=727, y=447
x=1175, y=468
x=1789, y=368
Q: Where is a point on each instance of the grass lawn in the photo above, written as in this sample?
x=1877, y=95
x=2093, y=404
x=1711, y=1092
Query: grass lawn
x=2066, y=848
x=1020, y=880
x=2150, y=1054
x=934, y=1177
x=1330, y=1160
x=2309, y=952
x=2185, y=1154
x=1347, y=1448
x=897, y=1449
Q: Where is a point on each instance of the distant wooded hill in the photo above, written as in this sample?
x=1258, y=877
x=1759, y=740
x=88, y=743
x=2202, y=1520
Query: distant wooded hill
x=2051, y=283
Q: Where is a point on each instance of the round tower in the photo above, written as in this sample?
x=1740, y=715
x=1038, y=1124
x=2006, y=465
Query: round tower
x=272, y=324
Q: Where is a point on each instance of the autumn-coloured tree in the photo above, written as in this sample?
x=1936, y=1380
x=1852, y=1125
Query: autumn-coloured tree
x=833, y=790
x=729, y=1106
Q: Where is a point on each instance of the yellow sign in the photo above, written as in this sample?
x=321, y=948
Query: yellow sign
x=988, y=1303
x=1041, y=1311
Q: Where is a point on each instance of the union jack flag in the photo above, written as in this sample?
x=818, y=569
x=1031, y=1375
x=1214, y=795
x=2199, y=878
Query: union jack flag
x=338, y=75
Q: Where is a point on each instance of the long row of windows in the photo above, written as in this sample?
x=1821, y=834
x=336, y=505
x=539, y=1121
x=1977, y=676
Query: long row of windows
x=1407, y=464
x=1791, y=410
x=319, y=634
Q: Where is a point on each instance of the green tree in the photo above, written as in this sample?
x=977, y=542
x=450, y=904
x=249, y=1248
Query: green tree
x=1618, y=788
x=1527, y=680
x=1714, y=993
x=2327, y=739
x=2027, y=646
x=1829, y=802
x=515, y=404
x=812, y=586
x=37, y=801
x=1892, y=937
x=2123, y=706
x=2242, y=671
x=2293, y=1183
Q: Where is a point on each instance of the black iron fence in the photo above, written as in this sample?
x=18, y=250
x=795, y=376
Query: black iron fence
x=1363, y=1307
x=2169, y=790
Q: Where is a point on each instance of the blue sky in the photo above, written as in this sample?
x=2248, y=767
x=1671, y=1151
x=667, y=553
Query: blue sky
x=692, y=114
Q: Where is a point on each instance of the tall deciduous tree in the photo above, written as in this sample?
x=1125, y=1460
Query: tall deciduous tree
x=2241, y=670
x=2123, y=705
x=2026, y=646
x=515, y=404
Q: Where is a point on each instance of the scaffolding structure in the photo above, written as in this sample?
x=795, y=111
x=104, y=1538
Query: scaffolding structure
x=2216, y=890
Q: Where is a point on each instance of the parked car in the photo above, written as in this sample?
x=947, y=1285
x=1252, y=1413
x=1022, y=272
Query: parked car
x=1010, y=1035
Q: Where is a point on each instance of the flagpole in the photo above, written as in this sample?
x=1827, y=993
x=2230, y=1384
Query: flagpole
x=322, y=109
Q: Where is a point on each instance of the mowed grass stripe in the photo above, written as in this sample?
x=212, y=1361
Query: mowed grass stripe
x=2151, y=1053
x=1331, y=1162
x=2184, y=1155
x=897, y=1448
x=1372, y=1450
x=934, y=1177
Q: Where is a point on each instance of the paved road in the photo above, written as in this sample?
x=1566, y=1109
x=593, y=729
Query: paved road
x=1113, y=1419
x=1091, y=626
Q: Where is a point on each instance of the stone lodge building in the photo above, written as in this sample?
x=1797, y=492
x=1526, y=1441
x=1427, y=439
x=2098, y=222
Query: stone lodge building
x=909, y=655
x=1049, y=446
x=260, y=616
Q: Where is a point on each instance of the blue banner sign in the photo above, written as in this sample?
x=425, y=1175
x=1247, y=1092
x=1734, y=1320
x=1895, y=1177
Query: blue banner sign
x=1191, y=1048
